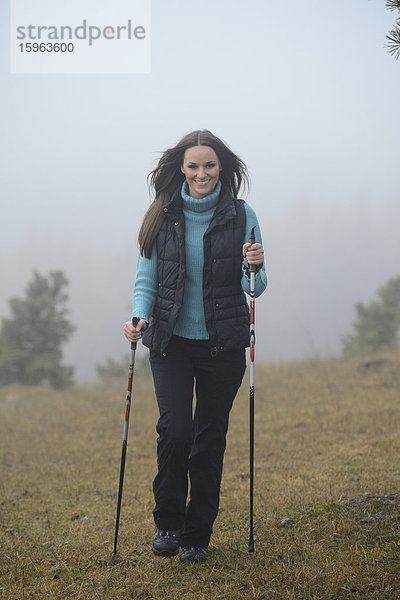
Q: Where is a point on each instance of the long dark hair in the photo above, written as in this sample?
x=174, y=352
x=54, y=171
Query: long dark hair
x=167, y=177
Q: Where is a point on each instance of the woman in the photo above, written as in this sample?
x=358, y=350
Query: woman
x=191, y=311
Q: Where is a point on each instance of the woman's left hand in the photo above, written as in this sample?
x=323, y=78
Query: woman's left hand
x=254, y=253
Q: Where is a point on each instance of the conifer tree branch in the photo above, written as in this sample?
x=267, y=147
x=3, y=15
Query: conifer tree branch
x=393, y=44
x=392, y=4
x=393, y=37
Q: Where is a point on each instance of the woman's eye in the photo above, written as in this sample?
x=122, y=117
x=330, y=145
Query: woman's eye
x=210, y=165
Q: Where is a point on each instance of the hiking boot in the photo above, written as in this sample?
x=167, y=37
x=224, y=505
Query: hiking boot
x=193, y=554
x=166, y=542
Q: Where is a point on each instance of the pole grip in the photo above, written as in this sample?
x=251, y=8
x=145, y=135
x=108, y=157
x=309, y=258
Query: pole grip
x=253, y=268
x=135, y=321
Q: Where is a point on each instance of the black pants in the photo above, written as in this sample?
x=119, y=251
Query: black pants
x=192, y=444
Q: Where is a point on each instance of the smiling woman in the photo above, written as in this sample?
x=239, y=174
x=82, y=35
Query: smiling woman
x=190, y=305
x=170, y=174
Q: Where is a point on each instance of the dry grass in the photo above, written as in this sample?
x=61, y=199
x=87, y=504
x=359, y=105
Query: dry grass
x=326, y=432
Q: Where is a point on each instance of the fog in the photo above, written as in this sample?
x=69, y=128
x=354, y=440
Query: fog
x=304, y=92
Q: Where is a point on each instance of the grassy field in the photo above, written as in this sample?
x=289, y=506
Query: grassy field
x=327, y=489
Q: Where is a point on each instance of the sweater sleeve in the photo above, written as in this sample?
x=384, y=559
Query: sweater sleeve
x=261, y=276
x=145, y=290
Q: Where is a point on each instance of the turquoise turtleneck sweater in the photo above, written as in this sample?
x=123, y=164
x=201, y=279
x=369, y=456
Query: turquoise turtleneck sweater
x=191, y=321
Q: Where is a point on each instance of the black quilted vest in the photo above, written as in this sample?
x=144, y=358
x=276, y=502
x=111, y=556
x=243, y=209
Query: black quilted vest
x=225, y=306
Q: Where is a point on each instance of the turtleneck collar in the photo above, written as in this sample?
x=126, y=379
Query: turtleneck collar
x=200, y=204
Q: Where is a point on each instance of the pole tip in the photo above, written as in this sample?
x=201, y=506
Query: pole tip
x=251, y=545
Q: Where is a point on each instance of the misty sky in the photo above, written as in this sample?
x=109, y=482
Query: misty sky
x=305, y=92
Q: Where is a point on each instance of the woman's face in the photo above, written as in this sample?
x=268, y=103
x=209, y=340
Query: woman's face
x=201, y=168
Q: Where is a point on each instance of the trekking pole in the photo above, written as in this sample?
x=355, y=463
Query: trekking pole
x=253, y=269
x=125, y=437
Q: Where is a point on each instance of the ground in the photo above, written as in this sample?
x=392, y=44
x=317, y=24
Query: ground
x=327, y=482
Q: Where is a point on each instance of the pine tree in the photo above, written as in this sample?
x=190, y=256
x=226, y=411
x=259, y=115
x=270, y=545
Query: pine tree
x=377, y=324
x=31, y=339
x=112, y=368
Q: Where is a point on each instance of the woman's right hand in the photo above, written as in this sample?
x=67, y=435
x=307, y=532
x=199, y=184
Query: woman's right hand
x=133, y=334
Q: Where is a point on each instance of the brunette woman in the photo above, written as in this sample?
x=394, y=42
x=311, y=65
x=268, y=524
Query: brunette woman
x=189, y=298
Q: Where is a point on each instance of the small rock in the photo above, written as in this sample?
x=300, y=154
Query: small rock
x=286, y=521
x=372, y=363
x=377, y=517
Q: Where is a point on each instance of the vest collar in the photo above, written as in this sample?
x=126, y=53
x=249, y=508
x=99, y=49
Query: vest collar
x=173, y=209
x=225, y=209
